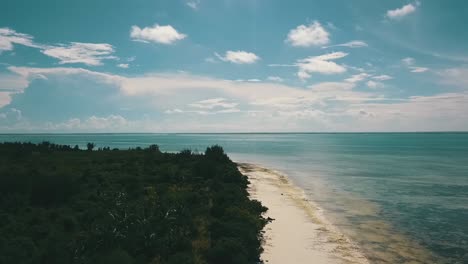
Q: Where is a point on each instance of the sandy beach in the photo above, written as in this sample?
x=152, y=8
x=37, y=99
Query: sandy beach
x=299, y=232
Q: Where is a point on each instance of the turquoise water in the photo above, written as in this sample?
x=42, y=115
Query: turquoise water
x=402, y=196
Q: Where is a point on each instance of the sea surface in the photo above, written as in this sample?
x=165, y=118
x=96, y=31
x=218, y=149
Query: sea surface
x=402, y=197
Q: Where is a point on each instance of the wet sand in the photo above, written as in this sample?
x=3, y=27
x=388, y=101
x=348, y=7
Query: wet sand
x=299, y=232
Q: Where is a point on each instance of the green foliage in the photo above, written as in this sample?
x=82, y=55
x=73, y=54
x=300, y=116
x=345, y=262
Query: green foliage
x=60, y=204
x=90, y=146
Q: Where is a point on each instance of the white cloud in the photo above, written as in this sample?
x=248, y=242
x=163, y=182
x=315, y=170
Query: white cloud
x=418, y=69
x=5, y=98
x=12, y=82
x=29, y=73
x=239, y=57
x=123, y=65
x=229, y=110
x=173, y=111
x=374, y=84
x=210, y=60
x=408, y=61
x=332, y=86
x=306, y=36
x=11, y=115
x=193, y=4
x=92, y=123
x=157, y=34
x=382, y=77
x=208, y=107
x=357, y=77
x=248, y=80
x=87, y=53
x=9, y=37
x=336, y=105
x=321, y=64
x=403, y=11
x=351, y=44
x=285, y=102
x=303, y=75
x=275, y=79
x=213, y=103
x=455, y=76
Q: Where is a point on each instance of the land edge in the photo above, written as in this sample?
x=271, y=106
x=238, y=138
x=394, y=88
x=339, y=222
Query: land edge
x=317, y=237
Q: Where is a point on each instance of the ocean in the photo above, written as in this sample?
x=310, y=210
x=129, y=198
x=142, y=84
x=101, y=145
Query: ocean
x=402, y=197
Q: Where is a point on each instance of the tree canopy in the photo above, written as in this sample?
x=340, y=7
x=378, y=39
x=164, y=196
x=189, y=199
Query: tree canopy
x=61, y=204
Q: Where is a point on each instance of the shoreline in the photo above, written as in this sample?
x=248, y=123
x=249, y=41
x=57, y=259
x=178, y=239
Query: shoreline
x=299, y=232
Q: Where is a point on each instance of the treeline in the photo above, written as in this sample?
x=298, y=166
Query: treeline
x=61, y=204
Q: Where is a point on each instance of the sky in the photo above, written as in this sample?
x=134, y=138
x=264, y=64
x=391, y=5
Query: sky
x=233, y=66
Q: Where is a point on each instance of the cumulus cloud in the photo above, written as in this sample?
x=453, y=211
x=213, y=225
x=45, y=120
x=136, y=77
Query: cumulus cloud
x=9, y=85
x=351, y=44
x=306, y=36
x=76, y=52
x=123, y=65
x=156, y=34
x=239, y=57
x=403, y=11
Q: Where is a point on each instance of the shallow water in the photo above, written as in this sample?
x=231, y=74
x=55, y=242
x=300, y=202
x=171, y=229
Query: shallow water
x=402, y=196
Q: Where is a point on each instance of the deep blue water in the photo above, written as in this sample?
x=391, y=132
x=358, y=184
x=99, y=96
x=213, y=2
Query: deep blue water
x=402, y=196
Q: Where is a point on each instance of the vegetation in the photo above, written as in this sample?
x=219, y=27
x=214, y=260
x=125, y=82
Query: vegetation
x=60, y=204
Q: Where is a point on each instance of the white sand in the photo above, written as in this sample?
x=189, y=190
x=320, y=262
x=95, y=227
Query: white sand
x=299, y=232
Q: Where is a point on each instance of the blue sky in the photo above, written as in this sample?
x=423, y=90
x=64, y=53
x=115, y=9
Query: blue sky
x=233, y=66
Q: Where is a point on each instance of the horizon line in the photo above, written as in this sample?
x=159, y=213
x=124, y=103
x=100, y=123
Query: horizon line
x=264, y=132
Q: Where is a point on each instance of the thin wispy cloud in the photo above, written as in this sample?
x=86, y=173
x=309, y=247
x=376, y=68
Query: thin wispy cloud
x=275, y=79
x=9, y=38
x=418, y=69
x=357, y=77
x=91, y=54
x=193, y=4
x=383, y=77
x=352, y=44
x=87, y=53
x=410, y=64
